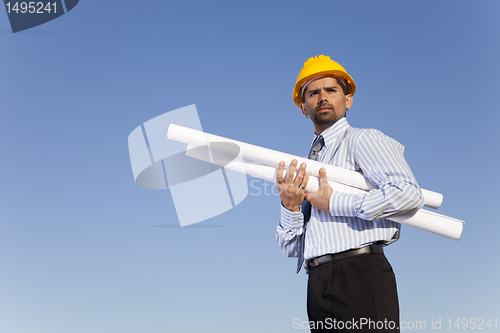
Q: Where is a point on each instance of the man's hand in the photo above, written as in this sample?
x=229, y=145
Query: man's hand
x=292, y=190
x=321, y=198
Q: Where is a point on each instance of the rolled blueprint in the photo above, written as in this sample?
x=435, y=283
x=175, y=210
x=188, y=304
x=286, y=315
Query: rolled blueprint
x=261, y=162
x=269, y=157
x=422, y=219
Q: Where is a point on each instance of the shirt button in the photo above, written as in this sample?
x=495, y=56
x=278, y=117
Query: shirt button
x=309, y=247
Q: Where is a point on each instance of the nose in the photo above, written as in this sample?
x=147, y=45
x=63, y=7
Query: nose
x=323, y=96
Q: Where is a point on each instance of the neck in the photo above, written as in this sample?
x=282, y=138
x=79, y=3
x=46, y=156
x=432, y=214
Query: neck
x=319, y=128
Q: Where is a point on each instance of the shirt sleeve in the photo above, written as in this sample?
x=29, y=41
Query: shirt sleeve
x=380, y=159
x=290, y=228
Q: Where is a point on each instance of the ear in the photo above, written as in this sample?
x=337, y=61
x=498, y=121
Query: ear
x=303, y=108
x=348, y=101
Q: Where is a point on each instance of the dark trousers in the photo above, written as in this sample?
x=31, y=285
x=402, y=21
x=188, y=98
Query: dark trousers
x=355, y=294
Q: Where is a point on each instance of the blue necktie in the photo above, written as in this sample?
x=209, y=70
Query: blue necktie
x=318, y=143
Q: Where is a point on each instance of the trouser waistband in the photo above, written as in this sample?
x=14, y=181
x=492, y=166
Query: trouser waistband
x=373, y=248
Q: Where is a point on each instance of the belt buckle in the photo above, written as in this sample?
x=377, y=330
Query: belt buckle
x=326, y=258
x=314, y=262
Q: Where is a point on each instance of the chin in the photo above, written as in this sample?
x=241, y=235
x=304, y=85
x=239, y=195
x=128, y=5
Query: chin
x=328, y=120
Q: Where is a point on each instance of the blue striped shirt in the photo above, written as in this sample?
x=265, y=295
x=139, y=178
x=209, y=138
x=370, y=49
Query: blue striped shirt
x=355, y=220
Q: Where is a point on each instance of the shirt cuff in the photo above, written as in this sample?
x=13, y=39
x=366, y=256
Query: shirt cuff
x=343, y=204
x=291, y=220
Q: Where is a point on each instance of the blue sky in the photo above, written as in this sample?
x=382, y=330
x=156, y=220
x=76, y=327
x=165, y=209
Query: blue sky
x=84, y=249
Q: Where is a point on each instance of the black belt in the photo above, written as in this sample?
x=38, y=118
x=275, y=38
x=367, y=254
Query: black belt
x=373, y=248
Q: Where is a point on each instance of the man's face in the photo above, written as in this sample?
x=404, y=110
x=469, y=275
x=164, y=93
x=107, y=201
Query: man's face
x=325, y=102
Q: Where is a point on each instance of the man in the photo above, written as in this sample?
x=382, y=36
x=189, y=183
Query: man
x=351, y=284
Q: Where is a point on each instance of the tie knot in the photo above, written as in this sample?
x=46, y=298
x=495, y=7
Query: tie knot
x=318, y=143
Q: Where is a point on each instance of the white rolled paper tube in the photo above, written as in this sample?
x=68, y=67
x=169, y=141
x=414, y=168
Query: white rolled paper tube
x=272, y=158
x=422, y=219
x=432, y=222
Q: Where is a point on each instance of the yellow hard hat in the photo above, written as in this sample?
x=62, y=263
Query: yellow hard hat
x=320, y=66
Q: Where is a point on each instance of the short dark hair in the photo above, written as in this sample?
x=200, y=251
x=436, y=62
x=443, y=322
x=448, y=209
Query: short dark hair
x=339, y=81
x=342, y=84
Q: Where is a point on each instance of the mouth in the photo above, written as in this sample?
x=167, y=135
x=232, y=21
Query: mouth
x=323, y=109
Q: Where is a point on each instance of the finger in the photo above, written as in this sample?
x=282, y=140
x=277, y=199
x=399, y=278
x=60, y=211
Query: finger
x=300, y=174
x=307, y=195
x=291, y=172
x=279, y=172
x=323, y=178
x=304, y=182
